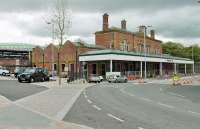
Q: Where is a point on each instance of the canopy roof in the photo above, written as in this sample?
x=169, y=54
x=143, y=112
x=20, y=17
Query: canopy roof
x=16, y=46
x=118, y=52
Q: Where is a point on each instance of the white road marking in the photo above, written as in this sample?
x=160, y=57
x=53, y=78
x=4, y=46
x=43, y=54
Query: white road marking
x=122, y=90
x=96, y=107
x=176, y=94
x=89, y=101
x=140, y=128
x=165, y=105
x=146, y=99
x=114, y=117
x=196, y=113
x=86, y=96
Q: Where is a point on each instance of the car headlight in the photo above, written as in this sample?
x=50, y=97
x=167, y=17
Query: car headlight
x=28, y=75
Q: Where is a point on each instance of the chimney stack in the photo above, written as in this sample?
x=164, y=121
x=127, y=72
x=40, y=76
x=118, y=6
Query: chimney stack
x=105, y=22
x=141, y=28
x=123, y=24
x=152, y=34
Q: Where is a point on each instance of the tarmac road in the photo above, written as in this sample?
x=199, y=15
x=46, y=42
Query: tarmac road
x=13, y=90
x=131, y=106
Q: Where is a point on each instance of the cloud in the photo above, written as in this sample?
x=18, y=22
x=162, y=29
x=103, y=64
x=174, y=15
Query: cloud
x=176, y=20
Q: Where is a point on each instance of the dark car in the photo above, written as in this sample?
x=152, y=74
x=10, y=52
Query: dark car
x=19, y=70
x=34, y=75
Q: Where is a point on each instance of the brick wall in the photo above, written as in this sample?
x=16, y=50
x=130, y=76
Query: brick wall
x=104, y=39
x=67, y=55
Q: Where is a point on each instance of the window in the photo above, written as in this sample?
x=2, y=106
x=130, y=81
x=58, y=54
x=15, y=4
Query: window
x=124, y=46
x=63, y=67
x=140, y=48
x=148, y=49
x=71, y=69
x=94, y=68
x=55, y=67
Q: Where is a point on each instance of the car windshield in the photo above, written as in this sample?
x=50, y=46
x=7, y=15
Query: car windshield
x=29, y=71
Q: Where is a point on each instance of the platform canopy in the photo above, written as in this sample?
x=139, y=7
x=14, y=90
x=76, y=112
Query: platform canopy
x=16, y=46
x=109, y=54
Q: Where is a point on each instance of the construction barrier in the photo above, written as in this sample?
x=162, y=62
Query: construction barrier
x=141, y=81
x=182, y=82
x=132, y=77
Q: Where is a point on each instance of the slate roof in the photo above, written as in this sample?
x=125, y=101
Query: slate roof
x=118, y=52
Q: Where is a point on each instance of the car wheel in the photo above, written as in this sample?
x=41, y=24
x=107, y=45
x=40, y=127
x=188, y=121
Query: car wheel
x=19, y=80
x=109, y=81
x=43, y=79
x=31, y=80
x=126, y=81
x=4, y=74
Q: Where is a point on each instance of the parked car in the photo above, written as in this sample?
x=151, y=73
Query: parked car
x=4, y=72
x=101, y=78
x=33, y=75
x=19, y=70
x=117, y=79
x=94, y=78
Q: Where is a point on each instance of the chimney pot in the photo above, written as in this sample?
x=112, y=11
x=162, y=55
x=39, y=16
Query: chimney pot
x=105, y=22
x=152, y=34
x=123, y=24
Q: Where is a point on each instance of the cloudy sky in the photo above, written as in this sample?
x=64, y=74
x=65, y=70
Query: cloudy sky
x=173, y=20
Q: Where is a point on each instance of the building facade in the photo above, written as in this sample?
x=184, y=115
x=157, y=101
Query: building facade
x=115, y=50
x=124, y=52
x=47, y=57
x=15, y=55
x=124, y=40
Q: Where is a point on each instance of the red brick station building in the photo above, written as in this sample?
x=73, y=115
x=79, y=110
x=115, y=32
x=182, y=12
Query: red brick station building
x=115, y=50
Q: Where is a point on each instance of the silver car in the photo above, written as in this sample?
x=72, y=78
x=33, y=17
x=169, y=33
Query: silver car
x=94, y=78
x=4, y=72
x=117, y=79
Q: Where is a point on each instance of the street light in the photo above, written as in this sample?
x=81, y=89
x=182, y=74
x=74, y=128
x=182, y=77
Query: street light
x=52, y=49
x=145, y=51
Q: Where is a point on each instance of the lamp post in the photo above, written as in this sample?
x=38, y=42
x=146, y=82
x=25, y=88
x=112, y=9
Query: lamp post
x=52, y=49
x=193, y=69
x=43, y=49
x=145, y=51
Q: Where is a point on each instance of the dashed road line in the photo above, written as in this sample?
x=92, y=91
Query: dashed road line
x=122, y=90
x=96, y=107
x=140, y=128
x=114, y=117
x=195, y=113
x=89, y=101
x=146, y=99
x=171, y=93
x=165, y=105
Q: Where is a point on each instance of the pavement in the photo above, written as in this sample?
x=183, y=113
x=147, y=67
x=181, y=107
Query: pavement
x=37, y=105
x=137, y=106
x=46, y=105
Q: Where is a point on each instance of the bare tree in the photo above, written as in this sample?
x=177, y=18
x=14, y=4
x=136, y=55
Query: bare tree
x=62, y=22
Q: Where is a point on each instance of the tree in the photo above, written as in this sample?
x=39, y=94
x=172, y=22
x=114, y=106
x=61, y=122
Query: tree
x=62, y=22
x=177, y=49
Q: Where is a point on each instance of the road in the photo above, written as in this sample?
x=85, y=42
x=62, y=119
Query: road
x=137, y=106
x=13, y=90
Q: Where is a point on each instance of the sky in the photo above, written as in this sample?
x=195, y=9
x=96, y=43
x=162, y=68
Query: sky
x=24, y=21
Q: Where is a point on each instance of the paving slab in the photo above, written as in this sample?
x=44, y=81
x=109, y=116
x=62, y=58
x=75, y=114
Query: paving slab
x=54, y=102
x=16, y=117
x=4, y=101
